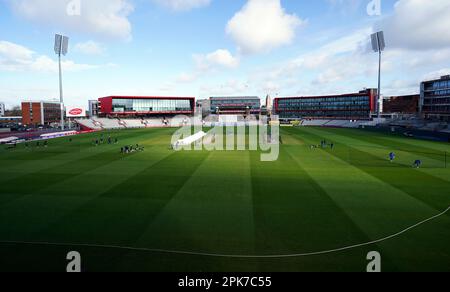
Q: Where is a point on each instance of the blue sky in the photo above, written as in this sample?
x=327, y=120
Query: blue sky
x=215, y=47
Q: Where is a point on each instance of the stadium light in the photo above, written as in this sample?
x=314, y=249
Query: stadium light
x=61, y=48
x=378, y=46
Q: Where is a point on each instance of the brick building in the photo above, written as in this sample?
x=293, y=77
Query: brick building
x=405, y=104
x=40, y=112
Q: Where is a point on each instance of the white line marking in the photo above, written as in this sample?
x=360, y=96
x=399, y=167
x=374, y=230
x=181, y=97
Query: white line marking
x=230, y=255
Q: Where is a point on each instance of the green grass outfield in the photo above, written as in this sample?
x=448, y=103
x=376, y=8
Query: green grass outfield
x=227, y=203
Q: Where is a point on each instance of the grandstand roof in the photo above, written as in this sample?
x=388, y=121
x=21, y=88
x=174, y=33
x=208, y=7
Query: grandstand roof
x=234, y=97
x=147, y=97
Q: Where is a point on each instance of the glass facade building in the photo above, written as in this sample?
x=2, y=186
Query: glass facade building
x=347, y=106
x=150, y=105
x=435, y=98
x=121, y=105
x=236, y=105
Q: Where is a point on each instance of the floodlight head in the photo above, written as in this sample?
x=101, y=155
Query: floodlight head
x=378, y=42
x=65, y=45
x=381, y=40
x=61, y=44
x=374, y=42
x=58, y=41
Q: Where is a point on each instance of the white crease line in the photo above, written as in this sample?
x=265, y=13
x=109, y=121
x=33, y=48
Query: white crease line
x=229, y=255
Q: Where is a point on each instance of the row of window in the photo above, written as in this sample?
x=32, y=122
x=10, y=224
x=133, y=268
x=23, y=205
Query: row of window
x=437, y=101
x=438, y=93
x=323, y=108
x=436, y=109
x=438, y=85
x=324, y=99
x=150, y=105
x=325, y=104
x=225, y=103
x=307, y=105
x=341, y=106
x=326, y=114
x=52, y=113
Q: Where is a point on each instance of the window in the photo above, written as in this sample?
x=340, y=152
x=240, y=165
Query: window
x=151, y=105
x=339, y=106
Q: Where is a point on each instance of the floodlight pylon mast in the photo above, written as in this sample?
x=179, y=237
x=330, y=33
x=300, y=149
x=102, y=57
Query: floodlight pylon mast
x=378, y=45
x=61, y=95
x=61, y=48
x=379, y=86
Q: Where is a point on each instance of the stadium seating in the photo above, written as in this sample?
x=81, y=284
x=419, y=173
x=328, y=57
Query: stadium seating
x=134, y=123
x=90, y=123
x=336, y=123
x=315, y=123
x=111, y=124
x=410, y=122
x=103, y=123
x=446, y=130
x=368, y=124
x=100, y=124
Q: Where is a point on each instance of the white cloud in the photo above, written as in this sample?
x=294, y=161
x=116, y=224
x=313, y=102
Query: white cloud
x=183, y=5
x=262, y=25
x=106, y=18
x=15, y=57
x=89, y=48
x=209, y=63
x=221, y=57
x=343, y=64
x=436, y=74
x=229, y=87
x=419, y=59
x=187, y=77
x=335, y=60
x=346, y=6
x=418, y=25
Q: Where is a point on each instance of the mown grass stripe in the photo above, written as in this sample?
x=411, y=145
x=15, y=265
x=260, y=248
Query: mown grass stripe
x=406, y=179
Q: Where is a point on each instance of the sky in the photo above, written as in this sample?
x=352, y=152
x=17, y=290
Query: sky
x=207, y=48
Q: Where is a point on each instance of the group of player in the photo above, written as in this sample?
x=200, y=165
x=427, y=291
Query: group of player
x=102, y=140
x=131, y=149
x=392, y=156
x=38, y=144
x=323, y=144
x=417, y=163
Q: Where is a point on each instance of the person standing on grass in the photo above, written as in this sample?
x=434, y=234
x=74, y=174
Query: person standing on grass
x=391, y=157
x=417, y=163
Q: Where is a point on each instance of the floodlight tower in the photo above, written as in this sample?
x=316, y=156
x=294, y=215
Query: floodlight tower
x=378, y=45
x=61, y=48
